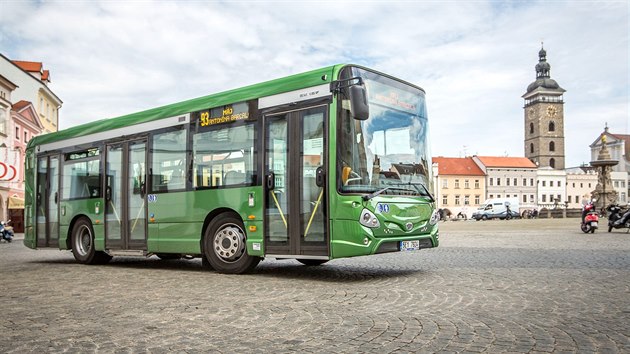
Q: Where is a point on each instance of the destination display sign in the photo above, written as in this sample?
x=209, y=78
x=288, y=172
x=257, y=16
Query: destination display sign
x=392, y=97
x=226, y=114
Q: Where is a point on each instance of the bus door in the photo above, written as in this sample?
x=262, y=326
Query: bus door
x=295, y=205
x=47, y=201
x=125, y=195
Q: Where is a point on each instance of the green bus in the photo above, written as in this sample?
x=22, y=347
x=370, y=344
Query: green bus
x=316, y=166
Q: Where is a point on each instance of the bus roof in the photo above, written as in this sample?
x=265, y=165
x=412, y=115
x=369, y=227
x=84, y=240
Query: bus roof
x=285, y=84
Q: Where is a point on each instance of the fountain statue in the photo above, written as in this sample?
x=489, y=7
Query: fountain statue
x=604, y=193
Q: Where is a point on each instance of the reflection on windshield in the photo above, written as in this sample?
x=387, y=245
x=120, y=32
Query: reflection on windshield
x=390, y=149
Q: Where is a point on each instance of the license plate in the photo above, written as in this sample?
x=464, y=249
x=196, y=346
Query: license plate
x=593, y=223
x=409, y=245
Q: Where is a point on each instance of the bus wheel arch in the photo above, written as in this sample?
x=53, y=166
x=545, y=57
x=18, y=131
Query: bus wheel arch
x=82, y=242
x=224, y=245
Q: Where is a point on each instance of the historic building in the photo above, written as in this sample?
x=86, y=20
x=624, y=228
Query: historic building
x=32, y=86
x=460, y=185
x=544, y=118
x=510, y=177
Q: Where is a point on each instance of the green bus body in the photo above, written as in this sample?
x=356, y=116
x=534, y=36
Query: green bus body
x=294, y=201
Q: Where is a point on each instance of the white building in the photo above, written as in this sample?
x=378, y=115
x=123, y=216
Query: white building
x=552, y=188
x=580, y=183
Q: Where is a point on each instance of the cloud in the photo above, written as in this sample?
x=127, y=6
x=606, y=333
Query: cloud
x=474, y=59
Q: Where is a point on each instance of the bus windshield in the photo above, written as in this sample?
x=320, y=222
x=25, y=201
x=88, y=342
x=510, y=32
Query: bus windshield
x=389, y=152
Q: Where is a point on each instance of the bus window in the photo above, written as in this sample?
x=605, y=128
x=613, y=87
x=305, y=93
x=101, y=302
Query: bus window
x=224, y=156
x=81, y=177
x=168, y=170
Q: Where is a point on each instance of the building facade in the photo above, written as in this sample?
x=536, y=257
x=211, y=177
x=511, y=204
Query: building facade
x=460, y=185
x=544, y=118
x=580, y=183
x=552, y=188
x=32, y=86
x=510, y=177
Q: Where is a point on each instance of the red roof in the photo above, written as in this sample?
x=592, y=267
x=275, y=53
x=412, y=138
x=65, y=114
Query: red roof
x=30, y=66
x=19, y=105
x=457, y=166
x=500, y=161
x=45, y=75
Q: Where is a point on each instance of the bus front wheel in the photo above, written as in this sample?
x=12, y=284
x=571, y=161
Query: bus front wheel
x=83, y=244
x=224, y=245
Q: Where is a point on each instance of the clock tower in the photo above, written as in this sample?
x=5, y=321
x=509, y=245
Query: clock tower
x=544, y=118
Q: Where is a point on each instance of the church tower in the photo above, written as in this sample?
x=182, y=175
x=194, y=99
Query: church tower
x=544, y=118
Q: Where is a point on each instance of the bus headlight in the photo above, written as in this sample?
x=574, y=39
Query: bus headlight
x=369, y=219
x=435, y=217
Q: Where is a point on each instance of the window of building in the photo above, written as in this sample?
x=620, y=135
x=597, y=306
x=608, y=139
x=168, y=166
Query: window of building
x=17, y=133
x=531, y=148
x=498, y=195
x=25, y=136
x=552, y=163
x=623, y=184
x=477, y=199
x=466, y=200
x=531, y=182
x=507, y=181
x=457, y=199
x=544, y=183
x=544, y=198
x=445, y=199
x=552, y=126
x=444, y=183
x=491, y=181
x=491, y=196
x=456, y=183
x=531, y=198
x=577, y=199
x=524, y=198
x=559, y=183
x=531, y=129
x=616, y=184
x=515, y=181
x=476, y=184
x=622, y=197
x=552, y=146
x=498, y=181
x=466, y=184
x=582, y=185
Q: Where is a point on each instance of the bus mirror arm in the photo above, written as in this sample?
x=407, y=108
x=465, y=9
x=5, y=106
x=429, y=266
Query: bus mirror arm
x=108, y=193
x=271, y=181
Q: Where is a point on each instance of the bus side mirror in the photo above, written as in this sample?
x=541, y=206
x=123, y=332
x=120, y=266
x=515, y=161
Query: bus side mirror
x=358, y=102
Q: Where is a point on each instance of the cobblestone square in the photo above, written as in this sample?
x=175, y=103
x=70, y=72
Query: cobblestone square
x=526, y=286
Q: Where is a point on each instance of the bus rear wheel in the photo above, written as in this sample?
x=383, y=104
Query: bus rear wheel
x=83, y=247
x=225, y=246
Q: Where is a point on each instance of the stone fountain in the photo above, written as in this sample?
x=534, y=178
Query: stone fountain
x=604, y=192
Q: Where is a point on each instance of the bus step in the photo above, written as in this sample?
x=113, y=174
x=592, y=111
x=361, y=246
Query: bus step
x=126, y=253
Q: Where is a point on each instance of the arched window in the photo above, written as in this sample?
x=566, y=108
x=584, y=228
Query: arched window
x=552, y=162
x=552, y=146
x=531, y=148
x=531, y=128
x=552, y=126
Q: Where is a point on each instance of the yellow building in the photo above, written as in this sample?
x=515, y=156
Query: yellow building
x=460, y=185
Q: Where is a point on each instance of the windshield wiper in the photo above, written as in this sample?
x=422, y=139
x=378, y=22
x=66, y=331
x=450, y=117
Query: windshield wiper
x=416, y=184
x=372, y=195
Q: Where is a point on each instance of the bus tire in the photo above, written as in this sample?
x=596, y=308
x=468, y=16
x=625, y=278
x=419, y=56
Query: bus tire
x=312, y=262
x=225, y=245
x=83, y=248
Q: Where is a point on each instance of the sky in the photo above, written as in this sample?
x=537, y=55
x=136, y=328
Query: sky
x=474, y=59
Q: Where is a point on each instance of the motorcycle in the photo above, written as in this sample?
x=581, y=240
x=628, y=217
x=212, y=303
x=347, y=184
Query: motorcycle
x=618, y=218
x=591, y=219
x=6, y=231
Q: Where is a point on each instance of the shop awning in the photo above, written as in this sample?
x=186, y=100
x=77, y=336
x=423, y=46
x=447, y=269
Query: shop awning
x=16, y=203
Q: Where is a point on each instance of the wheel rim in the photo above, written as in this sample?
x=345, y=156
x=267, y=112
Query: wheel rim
x=83, y=243
x=229, y=243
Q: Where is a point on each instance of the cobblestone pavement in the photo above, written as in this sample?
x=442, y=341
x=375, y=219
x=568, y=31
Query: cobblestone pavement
x=496, y=286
